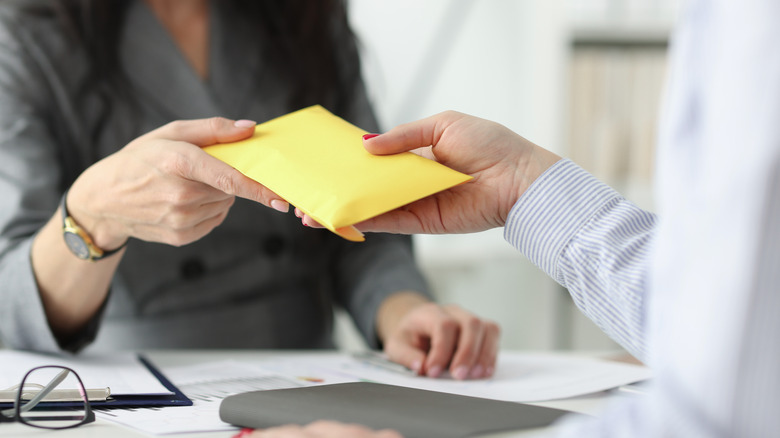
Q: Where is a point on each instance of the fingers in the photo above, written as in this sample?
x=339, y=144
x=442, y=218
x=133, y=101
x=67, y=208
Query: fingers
x=205, y=132
x=410, y=136
x=349, y=232
x=324, y=429
x=444, y=341
x=409, y=343
x=335, y=429
x=400, y=221
x=469, y=344
x=431, y=338
x=487, y=358
x=406, y=354
x=477, y=350
x=194, y=164
x=306, y=220
x=225, y=178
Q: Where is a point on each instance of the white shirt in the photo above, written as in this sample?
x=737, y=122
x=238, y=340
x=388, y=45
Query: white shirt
x=695, y=292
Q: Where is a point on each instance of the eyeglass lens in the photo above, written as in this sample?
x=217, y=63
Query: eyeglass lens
x=52, y=398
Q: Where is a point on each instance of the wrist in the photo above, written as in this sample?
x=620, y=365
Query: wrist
x=81, y=239
x=393, y=309
x=527, y=172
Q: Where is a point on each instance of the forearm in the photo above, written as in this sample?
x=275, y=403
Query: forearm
x=593, y=242
x=72, y=290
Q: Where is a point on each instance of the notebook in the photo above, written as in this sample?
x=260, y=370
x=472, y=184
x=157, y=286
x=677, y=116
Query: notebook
x=131, y=380
x=415, y=413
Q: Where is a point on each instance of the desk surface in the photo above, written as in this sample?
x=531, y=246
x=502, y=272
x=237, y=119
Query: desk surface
x=590, y=404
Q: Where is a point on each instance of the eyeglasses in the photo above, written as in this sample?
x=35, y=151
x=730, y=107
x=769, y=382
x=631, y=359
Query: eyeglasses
x=49, y=397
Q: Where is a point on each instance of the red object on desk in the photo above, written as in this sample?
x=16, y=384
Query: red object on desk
x=243, y=433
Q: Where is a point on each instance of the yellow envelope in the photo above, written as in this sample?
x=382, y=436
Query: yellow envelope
x=316, y=162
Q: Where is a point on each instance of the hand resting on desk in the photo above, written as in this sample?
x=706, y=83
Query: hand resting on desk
x=430, y=338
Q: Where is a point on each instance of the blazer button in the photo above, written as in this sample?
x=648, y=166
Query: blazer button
x=192, y=268
x=273, y=245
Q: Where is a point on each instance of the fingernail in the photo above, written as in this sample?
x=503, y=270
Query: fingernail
x=416, y=365
x=477, y=372
x=369, y=136
x=243, y=123
x=279, y=205
x=308, y=221
x=434, y=371
x=460, y=373
x=489, y=371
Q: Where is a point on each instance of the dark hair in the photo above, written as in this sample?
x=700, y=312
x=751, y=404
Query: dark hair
x=304, y=34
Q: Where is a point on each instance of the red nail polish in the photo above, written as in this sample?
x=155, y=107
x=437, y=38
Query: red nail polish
x=369, y=136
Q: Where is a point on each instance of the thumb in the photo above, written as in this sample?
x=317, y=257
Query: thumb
x=410, y=136
x=205, y=132
x=407, y=355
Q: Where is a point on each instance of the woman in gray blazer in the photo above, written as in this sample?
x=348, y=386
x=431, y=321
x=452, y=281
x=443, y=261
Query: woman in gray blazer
x=117, y=230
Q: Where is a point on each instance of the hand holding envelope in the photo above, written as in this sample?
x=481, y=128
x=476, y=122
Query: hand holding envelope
x=503, y=166
x=316, y=162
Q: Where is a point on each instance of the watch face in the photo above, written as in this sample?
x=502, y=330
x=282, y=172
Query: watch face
x=77, y=245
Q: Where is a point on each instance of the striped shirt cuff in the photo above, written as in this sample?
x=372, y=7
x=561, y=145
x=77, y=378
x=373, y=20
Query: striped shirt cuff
x=552, y=211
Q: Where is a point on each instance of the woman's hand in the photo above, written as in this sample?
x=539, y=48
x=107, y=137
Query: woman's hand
x=321, y=429
x=162, y=187
x=502, y=163
x=430, y=338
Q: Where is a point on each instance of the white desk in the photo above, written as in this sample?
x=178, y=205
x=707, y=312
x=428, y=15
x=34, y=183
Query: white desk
x=590, y=404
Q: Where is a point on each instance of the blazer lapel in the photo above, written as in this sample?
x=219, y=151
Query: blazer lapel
x=235, y=70
x=159, y=72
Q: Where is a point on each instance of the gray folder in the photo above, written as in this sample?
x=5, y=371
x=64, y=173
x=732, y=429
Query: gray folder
x=416, y=413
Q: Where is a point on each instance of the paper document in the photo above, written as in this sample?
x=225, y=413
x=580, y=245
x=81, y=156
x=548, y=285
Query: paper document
x=206, y=385
x=520, y=377
x=316, y=162
x=123, y=373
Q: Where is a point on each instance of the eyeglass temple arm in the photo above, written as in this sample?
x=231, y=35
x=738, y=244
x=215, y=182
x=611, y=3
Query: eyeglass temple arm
x=44, y=392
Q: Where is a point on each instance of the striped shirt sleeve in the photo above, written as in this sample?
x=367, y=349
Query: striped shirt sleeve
x=593, y=242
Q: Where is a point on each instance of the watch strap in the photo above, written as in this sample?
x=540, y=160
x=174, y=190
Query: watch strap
x=96, y=253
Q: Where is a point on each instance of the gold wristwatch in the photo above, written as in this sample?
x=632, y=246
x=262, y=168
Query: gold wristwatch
x=79, y=241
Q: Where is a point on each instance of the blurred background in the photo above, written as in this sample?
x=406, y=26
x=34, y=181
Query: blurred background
x=583, y=78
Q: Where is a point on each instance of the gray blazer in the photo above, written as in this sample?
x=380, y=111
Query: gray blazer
x=260, y=280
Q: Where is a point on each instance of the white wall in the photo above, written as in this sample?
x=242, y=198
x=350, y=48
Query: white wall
x=503, y=60
x=497, y=59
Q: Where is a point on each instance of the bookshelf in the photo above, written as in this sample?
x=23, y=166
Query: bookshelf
x=616, y=61
x=617, y=58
